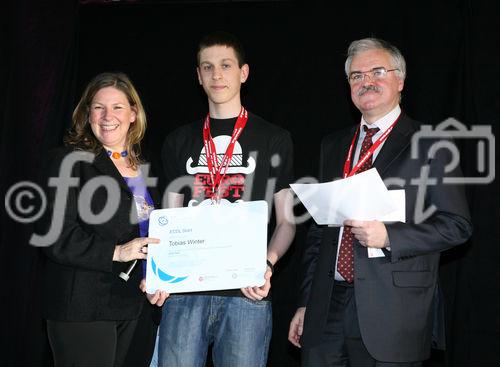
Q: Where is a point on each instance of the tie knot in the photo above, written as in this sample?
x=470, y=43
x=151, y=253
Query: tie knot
x=370, y=132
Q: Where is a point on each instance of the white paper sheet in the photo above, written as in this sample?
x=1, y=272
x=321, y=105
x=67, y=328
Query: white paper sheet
x=362, y=197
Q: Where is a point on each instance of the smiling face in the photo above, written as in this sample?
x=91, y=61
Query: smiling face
x=375, y=97
x=221, y=76
x=110, y=117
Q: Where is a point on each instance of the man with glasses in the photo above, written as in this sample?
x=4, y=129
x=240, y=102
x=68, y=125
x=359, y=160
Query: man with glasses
x=376, y=311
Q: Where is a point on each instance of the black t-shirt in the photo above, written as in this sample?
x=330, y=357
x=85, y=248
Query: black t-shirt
x=262, y=164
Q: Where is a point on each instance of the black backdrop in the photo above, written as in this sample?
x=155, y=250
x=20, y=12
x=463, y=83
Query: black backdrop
x=49, y=49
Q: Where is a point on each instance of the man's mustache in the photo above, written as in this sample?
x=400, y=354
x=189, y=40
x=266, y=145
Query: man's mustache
x=368, y=88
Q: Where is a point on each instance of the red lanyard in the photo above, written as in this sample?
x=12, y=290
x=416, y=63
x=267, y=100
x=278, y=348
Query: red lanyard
x=218, y=172
x=368, y=154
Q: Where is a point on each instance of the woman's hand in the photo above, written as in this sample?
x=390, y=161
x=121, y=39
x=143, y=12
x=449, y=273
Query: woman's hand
x=135, y=249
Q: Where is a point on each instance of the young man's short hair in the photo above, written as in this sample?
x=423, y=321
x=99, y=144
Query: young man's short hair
x=221, y=38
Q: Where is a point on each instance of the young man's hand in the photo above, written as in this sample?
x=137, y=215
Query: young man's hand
x=156, y=298
x=258, y=293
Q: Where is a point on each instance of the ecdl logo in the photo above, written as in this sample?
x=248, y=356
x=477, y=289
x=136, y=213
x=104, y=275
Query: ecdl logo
x=163, y=220
x=164, y=276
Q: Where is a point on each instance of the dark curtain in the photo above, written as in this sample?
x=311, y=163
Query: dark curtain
x=37, y=90
x=296, y=49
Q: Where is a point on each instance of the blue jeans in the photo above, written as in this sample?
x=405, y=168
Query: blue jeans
x=239, y=328
x=154, y=359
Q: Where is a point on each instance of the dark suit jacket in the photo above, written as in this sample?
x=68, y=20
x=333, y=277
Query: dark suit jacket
x=394, y=294
x=81, y=281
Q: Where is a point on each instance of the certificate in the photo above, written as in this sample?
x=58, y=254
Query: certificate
x=208, y=247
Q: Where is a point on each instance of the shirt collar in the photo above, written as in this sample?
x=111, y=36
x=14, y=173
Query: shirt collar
x=384, y=122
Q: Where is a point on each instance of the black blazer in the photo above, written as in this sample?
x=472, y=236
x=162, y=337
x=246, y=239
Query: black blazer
x=81, y=281
x=394, y=294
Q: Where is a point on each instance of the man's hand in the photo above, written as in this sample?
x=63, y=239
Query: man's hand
x=296, y=326
x=258, y=293
x=369, y=233
x=157, y=298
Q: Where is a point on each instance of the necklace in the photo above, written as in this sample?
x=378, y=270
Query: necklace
x=117, y=155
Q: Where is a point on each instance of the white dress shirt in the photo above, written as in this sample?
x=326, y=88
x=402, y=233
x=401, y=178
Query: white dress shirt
x=383, y=124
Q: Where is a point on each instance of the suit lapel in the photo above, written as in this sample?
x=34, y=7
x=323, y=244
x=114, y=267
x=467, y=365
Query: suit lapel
x=339, y=155
x=103, y=164
x=333, y=164
x=396, y=143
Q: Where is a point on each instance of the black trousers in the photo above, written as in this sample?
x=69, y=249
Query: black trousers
x=90, y=344
x=142, y=345
x=342, y=345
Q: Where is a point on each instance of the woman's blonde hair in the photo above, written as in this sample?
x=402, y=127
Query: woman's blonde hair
x=81, y=137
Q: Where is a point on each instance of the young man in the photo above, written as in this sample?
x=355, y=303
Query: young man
x=377, y=311
x=251, y=160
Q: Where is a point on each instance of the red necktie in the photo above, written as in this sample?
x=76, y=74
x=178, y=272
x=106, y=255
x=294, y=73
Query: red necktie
x=345, y=262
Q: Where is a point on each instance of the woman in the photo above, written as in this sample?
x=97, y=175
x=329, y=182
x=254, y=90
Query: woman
x=91, y=310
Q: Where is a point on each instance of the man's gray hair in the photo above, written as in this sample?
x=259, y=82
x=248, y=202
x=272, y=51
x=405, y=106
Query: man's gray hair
x=368, y=44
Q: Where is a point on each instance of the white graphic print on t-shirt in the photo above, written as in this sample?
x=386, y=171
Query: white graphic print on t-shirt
x=233, y=184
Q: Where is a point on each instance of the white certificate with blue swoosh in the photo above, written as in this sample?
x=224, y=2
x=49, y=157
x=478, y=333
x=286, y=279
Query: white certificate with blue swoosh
x=208, y=247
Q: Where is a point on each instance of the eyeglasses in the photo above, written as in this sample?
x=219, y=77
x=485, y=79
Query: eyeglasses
x=375, y=74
